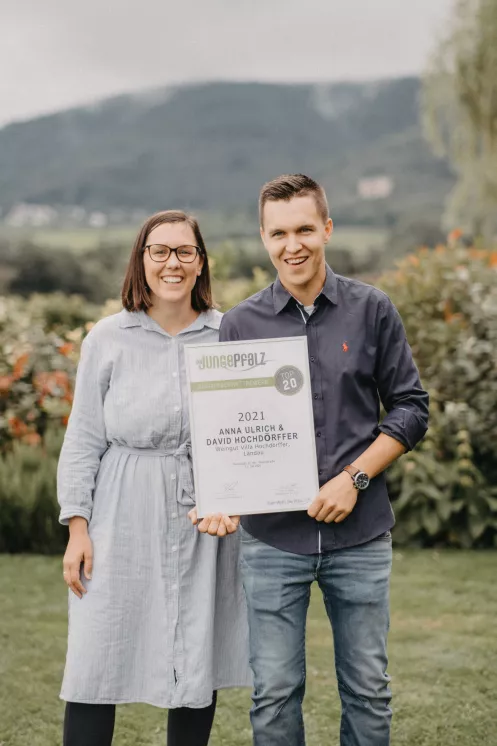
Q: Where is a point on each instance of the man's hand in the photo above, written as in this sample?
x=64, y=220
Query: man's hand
x=336, y=500
x=216, y=524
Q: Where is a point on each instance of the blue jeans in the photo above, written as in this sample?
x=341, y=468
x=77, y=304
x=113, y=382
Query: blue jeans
x=355, y=587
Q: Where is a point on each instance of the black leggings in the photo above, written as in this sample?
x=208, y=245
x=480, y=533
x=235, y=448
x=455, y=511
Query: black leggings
x=93, y=725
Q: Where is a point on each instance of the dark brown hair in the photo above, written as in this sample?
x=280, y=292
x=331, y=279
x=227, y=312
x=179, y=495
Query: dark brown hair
x=293, y=185
x=136, y=293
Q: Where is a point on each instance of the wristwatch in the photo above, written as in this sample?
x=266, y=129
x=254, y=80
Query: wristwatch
x=360, y=478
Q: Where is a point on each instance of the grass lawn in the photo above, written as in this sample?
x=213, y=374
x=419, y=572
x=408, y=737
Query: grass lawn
x=443, y=653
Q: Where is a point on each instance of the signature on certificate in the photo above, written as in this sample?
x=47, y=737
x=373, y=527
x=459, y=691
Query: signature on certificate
x=289, y=489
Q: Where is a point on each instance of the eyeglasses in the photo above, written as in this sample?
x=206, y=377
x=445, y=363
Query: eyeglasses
x=161, y=253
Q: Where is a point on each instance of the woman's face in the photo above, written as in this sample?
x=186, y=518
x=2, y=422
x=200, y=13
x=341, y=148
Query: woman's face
x=171, y=281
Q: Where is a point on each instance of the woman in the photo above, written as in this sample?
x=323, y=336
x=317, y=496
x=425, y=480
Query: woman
x=157, y=614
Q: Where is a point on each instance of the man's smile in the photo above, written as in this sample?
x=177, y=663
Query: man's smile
x=296, y=261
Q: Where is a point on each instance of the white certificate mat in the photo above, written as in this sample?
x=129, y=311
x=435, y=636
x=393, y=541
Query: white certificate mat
x=252, y=426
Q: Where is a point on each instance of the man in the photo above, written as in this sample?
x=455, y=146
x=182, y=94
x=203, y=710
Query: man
x=358, y=355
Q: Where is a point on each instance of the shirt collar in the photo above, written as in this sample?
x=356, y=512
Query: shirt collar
x=210, y=318
x=281, y=296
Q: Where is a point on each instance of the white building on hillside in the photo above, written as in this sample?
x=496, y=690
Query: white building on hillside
x=33, y=216
x=375, y=187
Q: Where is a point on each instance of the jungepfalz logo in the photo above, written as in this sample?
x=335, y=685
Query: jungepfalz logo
x=236, y=361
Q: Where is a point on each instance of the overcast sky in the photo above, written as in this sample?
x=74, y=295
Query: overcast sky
x=58, y=53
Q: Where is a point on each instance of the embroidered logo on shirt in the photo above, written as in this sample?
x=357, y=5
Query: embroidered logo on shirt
x=345, y=347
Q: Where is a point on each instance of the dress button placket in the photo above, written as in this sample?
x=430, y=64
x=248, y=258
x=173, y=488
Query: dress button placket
x=175, y=532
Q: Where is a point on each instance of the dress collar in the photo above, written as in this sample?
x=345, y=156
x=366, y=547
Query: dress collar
x=211, y=318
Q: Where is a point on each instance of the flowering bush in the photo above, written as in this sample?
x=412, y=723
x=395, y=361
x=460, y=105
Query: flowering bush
x=40, y=341
x=446, y=490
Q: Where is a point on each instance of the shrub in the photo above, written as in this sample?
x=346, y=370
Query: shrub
x=28, y=508
x=39, y=349
x=445, y=492
x=40, y=340
x=229, y=293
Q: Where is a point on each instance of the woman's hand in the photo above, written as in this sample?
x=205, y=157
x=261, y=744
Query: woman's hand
x=216, y=524
x=79, y=551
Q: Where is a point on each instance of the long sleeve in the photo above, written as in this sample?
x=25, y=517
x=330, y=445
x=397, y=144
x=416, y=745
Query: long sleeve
x=85, y=441
x=397, y=378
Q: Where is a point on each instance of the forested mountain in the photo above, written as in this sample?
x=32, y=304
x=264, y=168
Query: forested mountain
x=211, y=146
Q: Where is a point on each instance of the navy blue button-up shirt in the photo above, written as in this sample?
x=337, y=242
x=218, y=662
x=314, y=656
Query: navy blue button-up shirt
x=358, y=356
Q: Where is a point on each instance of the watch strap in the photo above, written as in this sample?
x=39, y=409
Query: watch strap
x=352, y=470
x=359, y=478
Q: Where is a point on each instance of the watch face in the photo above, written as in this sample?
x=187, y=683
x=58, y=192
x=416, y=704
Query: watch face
x=362, y=480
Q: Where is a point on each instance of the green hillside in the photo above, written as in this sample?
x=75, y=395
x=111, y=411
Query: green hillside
x=210, y=147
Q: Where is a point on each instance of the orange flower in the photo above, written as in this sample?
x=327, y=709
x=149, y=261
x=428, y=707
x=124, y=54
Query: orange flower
x=41, y=382
x=448, y=313
x=492, y=260
x=455, y=235
x=66, y=348
x=54, y=383
x=413, y=259
x=5, y=382
x=32, y=439
x=440, y=248
x=65, y=420
x=18, y=427
x=61, y=378
x=20, y=366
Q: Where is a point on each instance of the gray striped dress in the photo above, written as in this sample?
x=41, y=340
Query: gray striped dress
x=164, y=619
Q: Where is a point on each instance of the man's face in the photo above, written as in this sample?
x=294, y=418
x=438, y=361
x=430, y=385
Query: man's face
x=295, y=236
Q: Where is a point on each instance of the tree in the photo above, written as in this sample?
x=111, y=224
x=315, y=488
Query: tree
x=460, y=113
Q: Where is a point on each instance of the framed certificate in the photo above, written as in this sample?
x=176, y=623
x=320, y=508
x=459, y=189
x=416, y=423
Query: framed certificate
x=252, y=426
